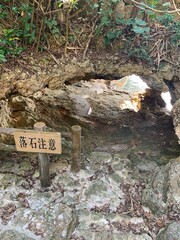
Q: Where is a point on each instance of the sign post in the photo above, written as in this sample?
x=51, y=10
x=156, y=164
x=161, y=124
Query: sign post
x=43, y=160
x=42, y=143
x=76, y=148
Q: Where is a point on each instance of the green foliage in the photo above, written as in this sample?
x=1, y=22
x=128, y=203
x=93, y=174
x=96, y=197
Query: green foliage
x=112, y=35
x=175, y=37
x=136, y=51
x=2, y=56
x=105, y=12
x=140, y=26
x=135, y=33
x=3, y=12
x=21, y=29
x=119, y=28
x=128, y=30
x=9, y=44
x=174, y=27
x=52, y=24
x=27, y=27
x=25, y=24
x=166, y=19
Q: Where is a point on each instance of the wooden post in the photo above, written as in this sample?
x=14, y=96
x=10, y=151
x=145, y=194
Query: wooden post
x=82, y=152
x=76, y=148
x=43, y=160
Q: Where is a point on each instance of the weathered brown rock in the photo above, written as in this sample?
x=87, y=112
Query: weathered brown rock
x=176, y=118
x=58, y=89
x=30, y=86
x=163, y=191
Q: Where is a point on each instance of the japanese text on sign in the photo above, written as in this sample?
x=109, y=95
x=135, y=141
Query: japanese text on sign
x=34, y=141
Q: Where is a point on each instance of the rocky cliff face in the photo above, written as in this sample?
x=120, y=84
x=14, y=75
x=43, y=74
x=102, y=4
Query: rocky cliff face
x=128, y=185
x=70, y=88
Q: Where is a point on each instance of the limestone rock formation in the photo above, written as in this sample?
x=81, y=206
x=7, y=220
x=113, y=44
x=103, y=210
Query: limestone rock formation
x=163, y=191
x=176, y=118
x=170, y=232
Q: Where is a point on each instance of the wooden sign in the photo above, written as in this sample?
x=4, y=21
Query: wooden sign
x=37, y=141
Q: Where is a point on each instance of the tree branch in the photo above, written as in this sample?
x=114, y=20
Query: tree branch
x=142, y=6
x=175, y=7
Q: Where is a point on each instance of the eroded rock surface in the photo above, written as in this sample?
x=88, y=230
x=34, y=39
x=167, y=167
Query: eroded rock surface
x=90, y=201
x=102, y=201
x=163, y=192
x=176, y=118
x=171, y=232
x=109, y=198
x=54, y=76
x=43, y=88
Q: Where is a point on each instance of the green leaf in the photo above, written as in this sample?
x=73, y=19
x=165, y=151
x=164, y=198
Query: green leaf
x=166, y=4
x=60, y=5
x=140, y=30
x=105, y=21
x=27, y=26
x=54, y=22
x=13, y=39
x=147, y=29
x=120, y=21
x=96, y=5
x=130, y=21
x=2, y=58
x=140, y=22
x=114, y=34
x=55, y=30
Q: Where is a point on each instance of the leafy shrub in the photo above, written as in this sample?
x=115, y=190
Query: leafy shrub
x=30, y=23
x=9, y=44
x=173, y=25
